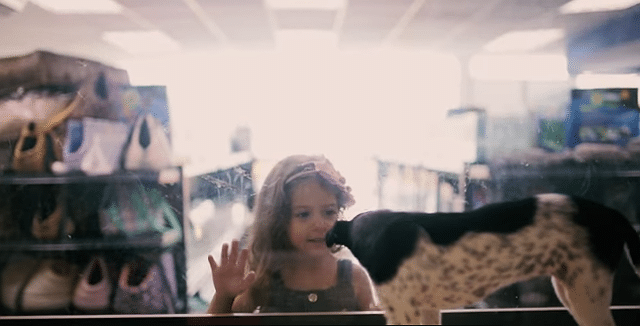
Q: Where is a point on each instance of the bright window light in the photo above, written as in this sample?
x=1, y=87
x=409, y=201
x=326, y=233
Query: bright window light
x=581, y=6
x=590, y=80
x=541, y=67
x=306, y=4
x=80, y=6
x=142, y=42
x=524, y=40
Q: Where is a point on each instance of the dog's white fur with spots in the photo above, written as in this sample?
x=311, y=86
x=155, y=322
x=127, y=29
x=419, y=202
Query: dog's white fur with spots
x=421, y=263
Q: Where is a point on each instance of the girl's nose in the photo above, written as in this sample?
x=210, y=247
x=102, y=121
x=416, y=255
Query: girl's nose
x=321, y=221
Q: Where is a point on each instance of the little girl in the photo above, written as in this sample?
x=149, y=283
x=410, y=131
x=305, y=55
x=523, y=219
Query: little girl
x=290, y=267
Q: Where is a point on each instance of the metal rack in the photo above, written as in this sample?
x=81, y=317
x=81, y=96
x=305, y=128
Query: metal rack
x=169, y=182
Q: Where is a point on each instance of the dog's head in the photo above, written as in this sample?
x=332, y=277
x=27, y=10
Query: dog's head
x=379, y=239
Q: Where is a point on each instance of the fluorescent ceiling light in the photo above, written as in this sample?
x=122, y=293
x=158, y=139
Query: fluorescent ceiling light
x=142, y=42
x=530, y=67
x=79, y=6
x=311, y=40
x=589, y=80
x=15, y=5
x=523, y=40
x=581, y=6
x=306, y=4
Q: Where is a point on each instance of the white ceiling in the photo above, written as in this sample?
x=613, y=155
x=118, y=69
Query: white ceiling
x=458, y=26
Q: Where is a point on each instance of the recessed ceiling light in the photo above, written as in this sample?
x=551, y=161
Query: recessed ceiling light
x=79, y=6
x=523, y=40
x=306, y=4
x=580, y=6
x=142, y=42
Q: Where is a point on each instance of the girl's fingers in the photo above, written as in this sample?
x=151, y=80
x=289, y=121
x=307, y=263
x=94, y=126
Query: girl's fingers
x=244, y=256
x=224, y=254
x=212, y=263
x=233, y=256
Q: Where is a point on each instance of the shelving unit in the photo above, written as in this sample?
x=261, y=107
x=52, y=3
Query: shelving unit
x=572, y=170
x=168, y=176
x=168, y=182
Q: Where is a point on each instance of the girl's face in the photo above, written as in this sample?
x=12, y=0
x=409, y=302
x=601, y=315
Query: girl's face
x=314, y=211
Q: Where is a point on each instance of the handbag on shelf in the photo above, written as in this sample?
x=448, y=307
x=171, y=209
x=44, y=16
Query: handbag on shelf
x=148, y=146
x=31, y=285
x=92, y=293
x=50, y=220
x=38, y=146
x=142, y=289
x=130, y=209
x=94, y=146
x=40, y=211
x=31, y=106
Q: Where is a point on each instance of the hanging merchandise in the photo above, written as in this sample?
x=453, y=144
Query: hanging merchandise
x=142, y=289
x=148, y=146
x=133, y=210
x=550, y=134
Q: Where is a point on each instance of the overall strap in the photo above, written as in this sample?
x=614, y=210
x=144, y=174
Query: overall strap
x=345, y=268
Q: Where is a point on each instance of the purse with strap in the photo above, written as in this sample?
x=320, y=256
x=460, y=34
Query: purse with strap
x=133, y=210
x=38, y=146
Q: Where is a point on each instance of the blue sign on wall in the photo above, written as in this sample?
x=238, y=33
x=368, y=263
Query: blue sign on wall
x=602, y=116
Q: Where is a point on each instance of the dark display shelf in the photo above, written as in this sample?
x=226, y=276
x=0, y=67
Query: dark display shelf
x=138, y=242
x=571, y=171
x=165, y=176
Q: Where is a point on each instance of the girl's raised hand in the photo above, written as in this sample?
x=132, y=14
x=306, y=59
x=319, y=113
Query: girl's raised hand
x=229, y=277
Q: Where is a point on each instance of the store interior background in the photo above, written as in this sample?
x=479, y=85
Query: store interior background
x=355, y=80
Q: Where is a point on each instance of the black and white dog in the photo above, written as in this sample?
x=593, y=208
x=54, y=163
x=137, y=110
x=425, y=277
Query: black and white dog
x=421, y=263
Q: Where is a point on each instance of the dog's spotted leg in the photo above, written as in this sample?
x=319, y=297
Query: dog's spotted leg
x=431, y=317
x=588, y=298
x=561, y=293
x=397, y=308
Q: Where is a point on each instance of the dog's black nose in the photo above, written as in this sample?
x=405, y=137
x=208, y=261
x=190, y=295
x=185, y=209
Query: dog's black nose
x=330, y=238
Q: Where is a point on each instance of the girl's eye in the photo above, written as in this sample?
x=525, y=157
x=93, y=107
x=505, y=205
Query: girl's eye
x=331, y=212
x=302, y=214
